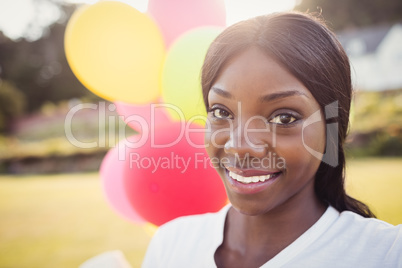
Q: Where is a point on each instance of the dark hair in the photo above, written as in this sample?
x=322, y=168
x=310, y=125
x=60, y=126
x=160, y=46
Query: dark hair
x=310, y=51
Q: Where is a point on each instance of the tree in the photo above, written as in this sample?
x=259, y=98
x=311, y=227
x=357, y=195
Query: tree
x=39, y=69
x=12, y=104
x=344, y=14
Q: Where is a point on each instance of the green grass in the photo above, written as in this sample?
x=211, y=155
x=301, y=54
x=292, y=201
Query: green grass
x=63, y=220
x=378, y=183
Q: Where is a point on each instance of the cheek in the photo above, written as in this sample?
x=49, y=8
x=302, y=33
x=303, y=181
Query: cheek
x=314, y=138
x=291, y=149
x=301, y=152
x=214, y=145
x=212, y=142
x=216, y=138
x=207, y=141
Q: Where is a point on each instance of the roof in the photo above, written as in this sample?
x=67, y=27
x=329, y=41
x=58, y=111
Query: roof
x=363, y=40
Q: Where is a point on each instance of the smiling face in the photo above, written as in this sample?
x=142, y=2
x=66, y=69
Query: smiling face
x=257, y=110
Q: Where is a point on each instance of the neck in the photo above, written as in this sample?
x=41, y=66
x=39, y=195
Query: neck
x=274, y=230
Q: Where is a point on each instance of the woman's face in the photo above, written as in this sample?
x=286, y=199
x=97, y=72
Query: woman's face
x=257, y=137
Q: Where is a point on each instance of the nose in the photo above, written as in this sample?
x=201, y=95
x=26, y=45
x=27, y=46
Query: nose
x=246, y=143
x=243, y=150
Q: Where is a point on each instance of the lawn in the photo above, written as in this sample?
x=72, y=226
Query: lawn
x=63, y=220
x=377, y=182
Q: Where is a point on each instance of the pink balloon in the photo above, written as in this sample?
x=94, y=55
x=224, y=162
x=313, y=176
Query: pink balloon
x=139, y=116
x=175, y=17
x=112, y=175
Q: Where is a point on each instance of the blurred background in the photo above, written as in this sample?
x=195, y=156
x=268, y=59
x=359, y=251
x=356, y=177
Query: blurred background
x=52, y=206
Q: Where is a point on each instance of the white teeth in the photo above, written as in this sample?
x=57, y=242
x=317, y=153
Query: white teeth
x=249, y=179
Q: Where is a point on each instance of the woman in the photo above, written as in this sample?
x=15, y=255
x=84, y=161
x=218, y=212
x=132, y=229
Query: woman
x=277, y=89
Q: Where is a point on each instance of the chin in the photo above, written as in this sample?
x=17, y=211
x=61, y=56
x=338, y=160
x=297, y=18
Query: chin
x=249, y=207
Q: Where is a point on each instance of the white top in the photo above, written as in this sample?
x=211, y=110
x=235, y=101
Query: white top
x=336, y=240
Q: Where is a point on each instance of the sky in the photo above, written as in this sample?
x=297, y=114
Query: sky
x=16, y=15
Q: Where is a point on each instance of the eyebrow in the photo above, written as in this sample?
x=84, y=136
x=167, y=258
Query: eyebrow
x=266, y=98
x=281, y=95
x=222, y=92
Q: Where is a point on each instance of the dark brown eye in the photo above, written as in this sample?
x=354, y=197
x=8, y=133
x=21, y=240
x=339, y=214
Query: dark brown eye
x=221, y=114
x=283, y=119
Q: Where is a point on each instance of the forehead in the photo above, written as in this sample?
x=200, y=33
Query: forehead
x=253, y=73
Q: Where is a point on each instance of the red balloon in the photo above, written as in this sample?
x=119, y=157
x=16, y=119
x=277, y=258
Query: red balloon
x=175, y=17
x=170, y=176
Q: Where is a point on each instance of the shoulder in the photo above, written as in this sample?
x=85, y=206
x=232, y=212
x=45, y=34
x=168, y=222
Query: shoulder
x=351, y=240
x=366, y=240
x=191, y=220
x=374, y=228
x=187, y=227
x=368, y=231
x=185, y=240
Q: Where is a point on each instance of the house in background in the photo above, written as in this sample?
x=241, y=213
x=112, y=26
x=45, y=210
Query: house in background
x=375, y=54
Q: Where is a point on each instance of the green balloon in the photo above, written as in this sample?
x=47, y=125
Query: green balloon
x=181, y=85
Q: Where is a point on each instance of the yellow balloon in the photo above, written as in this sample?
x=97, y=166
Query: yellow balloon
x=150, y=228
x=115, y=51
x=181, y=85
